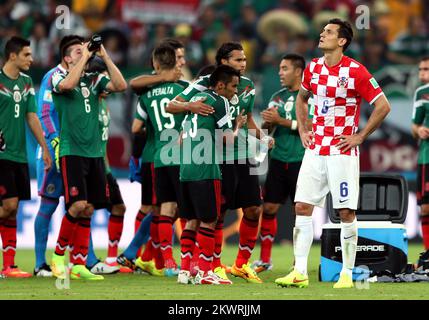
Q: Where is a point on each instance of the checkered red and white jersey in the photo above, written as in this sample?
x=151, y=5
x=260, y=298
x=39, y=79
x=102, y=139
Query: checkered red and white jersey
x=337, y=93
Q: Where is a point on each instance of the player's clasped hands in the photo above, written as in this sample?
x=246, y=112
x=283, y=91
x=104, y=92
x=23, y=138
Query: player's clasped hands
x=348, y=142
x=241, y=119
x=271, y=115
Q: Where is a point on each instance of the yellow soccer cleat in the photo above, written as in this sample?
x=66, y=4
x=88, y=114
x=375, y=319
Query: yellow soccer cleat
x=80, y=272
x=344, y=282
x=245, y=272
x=293, y=279
x=221, y=274
x=58, y=267
x=149, y=267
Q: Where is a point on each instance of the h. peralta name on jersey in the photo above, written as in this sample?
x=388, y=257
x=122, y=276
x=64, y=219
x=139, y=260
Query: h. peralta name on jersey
x=160, y=91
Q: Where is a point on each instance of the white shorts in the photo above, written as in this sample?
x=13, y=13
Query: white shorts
x=338, y=174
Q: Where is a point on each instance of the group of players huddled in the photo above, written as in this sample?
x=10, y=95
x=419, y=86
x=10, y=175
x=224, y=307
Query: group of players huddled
x=191, y=155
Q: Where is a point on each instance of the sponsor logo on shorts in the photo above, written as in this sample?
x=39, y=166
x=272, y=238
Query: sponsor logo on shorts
x=50, y=188
x=343, y=200
x=74, y=191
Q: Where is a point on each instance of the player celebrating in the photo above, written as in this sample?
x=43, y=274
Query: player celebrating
x=151, y=111
x=331, y=161
x=76, y=97
x=286, y=155
x=239, y=188
x=200, y=180
x=420, y=130
x=17, y=105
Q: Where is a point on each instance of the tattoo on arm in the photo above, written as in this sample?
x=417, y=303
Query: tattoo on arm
x=304, y=94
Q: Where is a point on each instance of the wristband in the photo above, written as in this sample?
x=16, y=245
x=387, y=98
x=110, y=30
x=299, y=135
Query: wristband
x=294, y=125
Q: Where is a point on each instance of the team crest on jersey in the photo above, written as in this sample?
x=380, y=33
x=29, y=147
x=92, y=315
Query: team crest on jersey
x=85, y=92
x=74, y=191
x=17, y=96
x=342, y=82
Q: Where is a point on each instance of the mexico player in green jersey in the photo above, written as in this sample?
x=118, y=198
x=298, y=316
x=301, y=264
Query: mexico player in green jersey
x=17, y=105
x=420, y=130
x=285, y=157
x=76, y=98
x=166, y=128
x=239, y=188
x=200, y=174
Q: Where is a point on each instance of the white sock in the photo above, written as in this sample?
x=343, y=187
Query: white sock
x=302, y=240
x=110, y=259
x=348, y=235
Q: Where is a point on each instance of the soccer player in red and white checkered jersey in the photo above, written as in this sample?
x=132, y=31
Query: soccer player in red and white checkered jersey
x=331, y=161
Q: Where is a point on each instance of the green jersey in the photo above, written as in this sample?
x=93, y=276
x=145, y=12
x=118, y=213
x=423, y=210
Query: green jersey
x=244, y=100
x=199, y=153
x=421, y=117
x=288, y=146
x=78, y=112
x=166, y=126
x=104, y=122
x=17, y=98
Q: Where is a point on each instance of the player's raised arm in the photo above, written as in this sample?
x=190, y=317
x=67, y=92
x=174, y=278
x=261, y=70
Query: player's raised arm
x=72, y=78
x=117, y=82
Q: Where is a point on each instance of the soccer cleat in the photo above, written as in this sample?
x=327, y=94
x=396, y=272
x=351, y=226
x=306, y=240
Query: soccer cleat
x=149, y=267
x=344, y=282
x=43, y=271
x=222, y=277
x=245, y=272
x=227, y=268
x=171, y=272
x=80, y=272
x=125, y=262
x=15, y=272
x=121, y=268
x=293, y=279
x=58, y=267
x=184, y=277
x=103, y=268
x=206, y=278
x=260, y=266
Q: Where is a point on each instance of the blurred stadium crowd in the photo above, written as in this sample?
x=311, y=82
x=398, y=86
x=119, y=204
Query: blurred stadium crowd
x=398, y=29
x=397, y=36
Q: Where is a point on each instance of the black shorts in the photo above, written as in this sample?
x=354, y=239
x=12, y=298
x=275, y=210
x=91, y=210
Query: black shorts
x=240, y=189
x=422, y=184
x=14, y=180
x=281, y=181
x=200, y=200
x=114, y=191
x=167, y=184
x=84, y=179
x=148, y=195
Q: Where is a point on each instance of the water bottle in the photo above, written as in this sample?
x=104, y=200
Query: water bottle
x=263, y=149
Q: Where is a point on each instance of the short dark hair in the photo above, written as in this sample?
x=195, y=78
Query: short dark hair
x=96, y=64
x=223, y=73
x=224, y=52
x=165, y=55
x=68, y=41
x=208, y=69
x=345, y=30
x=176, y=44
x=297, y=60
x=15, y=45
x=425, y=58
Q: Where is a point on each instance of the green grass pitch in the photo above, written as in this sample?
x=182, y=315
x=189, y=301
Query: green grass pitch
x=137, y=286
